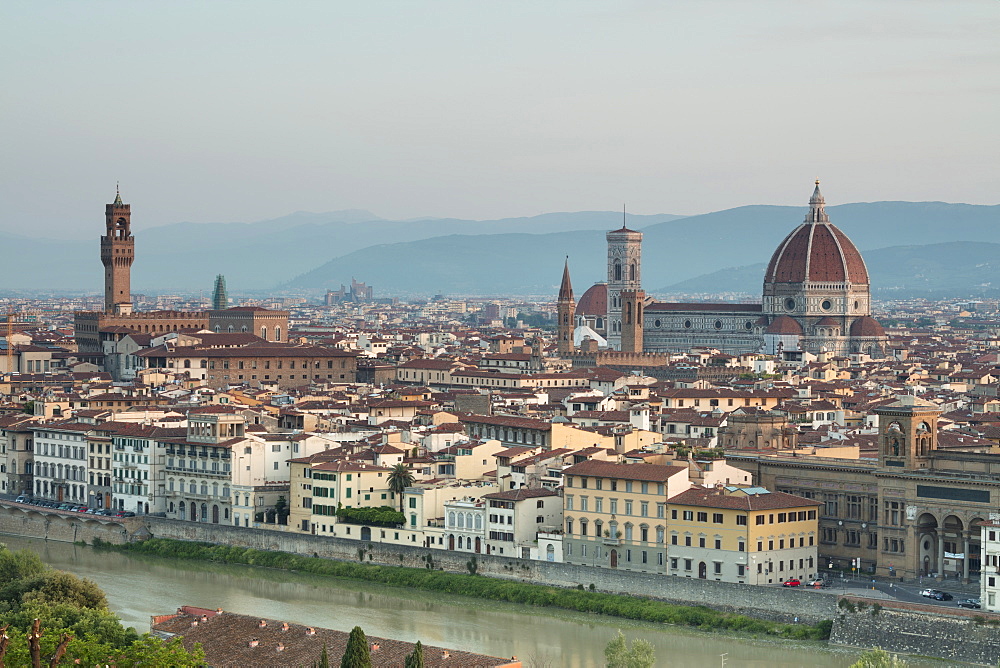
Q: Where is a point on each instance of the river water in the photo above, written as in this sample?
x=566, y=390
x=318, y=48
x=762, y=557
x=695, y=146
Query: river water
x=139, y=586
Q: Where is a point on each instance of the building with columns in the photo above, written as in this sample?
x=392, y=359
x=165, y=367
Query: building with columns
x=914, y=511
x=816, y=297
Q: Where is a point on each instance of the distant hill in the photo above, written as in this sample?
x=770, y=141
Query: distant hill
x=312, y=252
x=958, y=268
x=673, y=251
x=261, y=255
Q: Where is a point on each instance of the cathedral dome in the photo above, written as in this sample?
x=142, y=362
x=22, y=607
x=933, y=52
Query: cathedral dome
x=594, y=301
x=816, y=252
x=784, y=324
x=866, y=326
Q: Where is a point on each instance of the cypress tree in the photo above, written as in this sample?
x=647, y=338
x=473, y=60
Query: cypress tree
x=324, y=659
x=416, y=658
x=357, y=654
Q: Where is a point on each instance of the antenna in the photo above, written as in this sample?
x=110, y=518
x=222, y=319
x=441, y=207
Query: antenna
x=623, y=216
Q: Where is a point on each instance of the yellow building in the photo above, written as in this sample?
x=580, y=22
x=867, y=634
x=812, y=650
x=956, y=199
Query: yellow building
x=742, y=534
x=615, y=515
x=318, y=486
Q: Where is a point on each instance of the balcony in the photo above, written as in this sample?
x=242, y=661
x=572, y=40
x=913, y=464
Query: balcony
x=607, y=540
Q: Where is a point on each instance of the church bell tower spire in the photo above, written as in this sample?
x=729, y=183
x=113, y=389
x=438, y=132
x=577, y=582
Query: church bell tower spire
x=117, y=255
x=566, y=313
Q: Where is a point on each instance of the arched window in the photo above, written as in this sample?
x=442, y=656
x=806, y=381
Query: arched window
x=451, y=519
x=187, y=364
x=631, y=272
x=628, y=532
x=277, y=333
x=628, y=313
x=263, y=333
x=618, y=270
x=461, y=521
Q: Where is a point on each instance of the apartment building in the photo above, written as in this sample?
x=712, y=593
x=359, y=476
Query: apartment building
x=742, y=534
x=615, y=515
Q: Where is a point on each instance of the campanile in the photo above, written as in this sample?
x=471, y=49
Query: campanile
x=117, y=254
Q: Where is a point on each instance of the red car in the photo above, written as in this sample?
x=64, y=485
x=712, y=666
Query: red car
x=791, y=583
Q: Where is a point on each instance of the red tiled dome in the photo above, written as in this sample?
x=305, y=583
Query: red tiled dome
x=816, y=251
x=594, y=301
x=784, y=324
x=827, y=322
x=866, y=326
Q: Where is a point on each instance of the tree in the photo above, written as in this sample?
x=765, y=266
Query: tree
x=618, y=654
x=416, y=658
x=356, y=654
x=324, y=659
x=281, y=510
x=399, y=479
x=878, y=658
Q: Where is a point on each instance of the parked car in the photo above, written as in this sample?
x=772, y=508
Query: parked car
x=969, y=603
x=942, y=596
x=929, y=593
x=22, y=499
x=818, y=582
x=791, y=583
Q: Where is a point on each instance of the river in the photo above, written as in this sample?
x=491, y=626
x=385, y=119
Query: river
x=140, y=586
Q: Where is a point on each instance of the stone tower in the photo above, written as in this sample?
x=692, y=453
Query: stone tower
x=117, y=254
x=566, y=314
x=907, y=433
x=219, y=299
x=633, y=307
x=624, y=273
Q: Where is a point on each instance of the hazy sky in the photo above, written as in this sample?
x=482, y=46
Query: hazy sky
x=226, y=111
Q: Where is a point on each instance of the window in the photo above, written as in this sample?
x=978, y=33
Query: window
x=741, y=520
x=717, y=518
x=718, y=543
x=689, y=515
x=717, y=567
x=759, y=519
x=687, y=564
x=673, y=563
x=832, y=502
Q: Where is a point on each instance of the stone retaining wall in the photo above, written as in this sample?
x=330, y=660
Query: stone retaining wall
x=763, y=602
x=913, y=632
x=33, y=522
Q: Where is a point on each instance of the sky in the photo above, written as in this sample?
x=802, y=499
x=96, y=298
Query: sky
x=246, y=111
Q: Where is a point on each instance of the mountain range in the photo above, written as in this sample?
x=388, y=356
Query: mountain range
x=908, y=246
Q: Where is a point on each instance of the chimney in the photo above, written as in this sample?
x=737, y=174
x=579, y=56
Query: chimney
x=204, y=618
x=284, y=626
x=218, y=611
x=194, y=623
x=445, y=654
x=281, y=647
x=310, y=631
x=262, y=624
x=375, y=647
x=253, y=642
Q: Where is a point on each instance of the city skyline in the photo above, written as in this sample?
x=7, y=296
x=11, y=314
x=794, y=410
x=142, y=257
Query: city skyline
x=485, y=112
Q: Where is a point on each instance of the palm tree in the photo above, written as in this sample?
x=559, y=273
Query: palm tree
x=400, y=478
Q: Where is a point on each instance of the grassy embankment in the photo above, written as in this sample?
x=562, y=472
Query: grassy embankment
x=581, y=600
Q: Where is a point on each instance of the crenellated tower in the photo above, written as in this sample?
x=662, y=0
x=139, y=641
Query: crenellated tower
x=566, y=314
x=117, y=255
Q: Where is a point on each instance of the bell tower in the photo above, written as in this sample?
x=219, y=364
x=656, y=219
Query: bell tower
x=907, y=432
x=566, y=312
x=624, y=273
x=117, y=254
x=633, y=307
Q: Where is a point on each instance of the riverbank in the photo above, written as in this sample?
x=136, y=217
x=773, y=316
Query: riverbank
x=428, y=579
